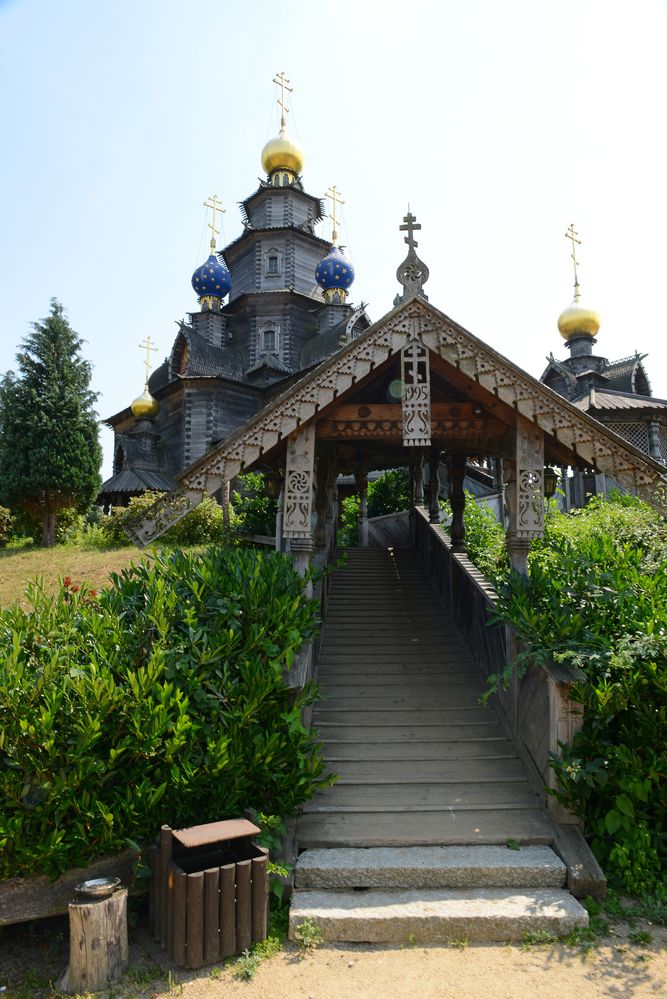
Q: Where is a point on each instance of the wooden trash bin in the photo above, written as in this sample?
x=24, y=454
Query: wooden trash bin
x=209, y=891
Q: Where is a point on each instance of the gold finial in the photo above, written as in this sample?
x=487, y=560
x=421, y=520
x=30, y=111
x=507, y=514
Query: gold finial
x=572, y=234
x=283, y=83
x=148, y=347
x=334, y=195
x=216, y=206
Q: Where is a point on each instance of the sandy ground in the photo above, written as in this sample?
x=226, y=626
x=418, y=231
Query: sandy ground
x=32, y=957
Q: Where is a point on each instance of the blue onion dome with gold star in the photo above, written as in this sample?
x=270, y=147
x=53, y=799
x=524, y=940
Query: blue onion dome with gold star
x=334, y=274
x=212, y=280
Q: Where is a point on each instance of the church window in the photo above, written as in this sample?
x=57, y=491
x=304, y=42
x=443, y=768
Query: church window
x=119, y=459
x=273, y=261
x=269, y=341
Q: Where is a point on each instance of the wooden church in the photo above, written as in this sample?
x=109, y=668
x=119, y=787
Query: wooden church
x=288, y=380
x=287, y=309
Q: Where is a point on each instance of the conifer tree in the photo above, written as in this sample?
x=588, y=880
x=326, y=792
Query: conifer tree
x=50, y=452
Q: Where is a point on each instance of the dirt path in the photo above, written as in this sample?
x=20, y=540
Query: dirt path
x=30, y=959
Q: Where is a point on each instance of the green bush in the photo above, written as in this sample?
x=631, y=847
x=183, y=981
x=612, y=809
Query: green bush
x=5, y=526
x=596, y=598
x=163, y=699
x=390, y=493
x=202, y=526
x=254, y=511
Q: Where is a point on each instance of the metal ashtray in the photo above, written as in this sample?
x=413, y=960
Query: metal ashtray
x=97, y=887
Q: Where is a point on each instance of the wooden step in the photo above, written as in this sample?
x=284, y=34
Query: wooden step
x=324, y=715
x=454, y=826
x=423, y=796
x=468, y=749
x=469, y=771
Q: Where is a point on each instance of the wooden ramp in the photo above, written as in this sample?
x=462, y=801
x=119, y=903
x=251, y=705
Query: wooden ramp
x=419, y=760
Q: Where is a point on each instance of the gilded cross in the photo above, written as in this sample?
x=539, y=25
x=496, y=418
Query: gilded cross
x=283, y=83
x=215, y=205
x=148, y=347
x=410, y=227
x=334, y=194
x=572, y=234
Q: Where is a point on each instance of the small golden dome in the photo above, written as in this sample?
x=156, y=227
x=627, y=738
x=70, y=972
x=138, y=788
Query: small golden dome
x=145, y=405
x=578, y=321
x=282, y=154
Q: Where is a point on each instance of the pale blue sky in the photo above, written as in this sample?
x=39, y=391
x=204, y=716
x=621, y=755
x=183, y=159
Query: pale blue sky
x=500, y=123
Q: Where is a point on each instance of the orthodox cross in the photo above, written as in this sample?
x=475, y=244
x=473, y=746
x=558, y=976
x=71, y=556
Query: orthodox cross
x=216, y=206
x=334, y=194
x=413, y=272
x=410, y=228
x=283, y=83
x=148, y=347
x=572, y=235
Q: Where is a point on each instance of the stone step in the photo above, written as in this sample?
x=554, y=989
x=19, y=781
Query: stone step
x=436, y=915
x=431, y=867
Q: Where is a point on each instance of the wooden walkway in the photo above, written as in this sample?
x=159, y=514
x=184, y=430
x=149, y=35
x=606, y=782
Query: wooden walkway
x=419, y=760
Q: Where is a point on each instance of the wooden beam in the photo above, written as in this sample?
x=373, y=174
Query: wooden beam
x=384, y=421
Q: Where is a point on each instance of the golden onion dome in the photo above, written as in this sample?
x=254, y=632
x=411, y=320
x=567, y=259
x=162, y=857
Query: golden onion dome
x=282, y=154
x=577, y=320
x=145, y=405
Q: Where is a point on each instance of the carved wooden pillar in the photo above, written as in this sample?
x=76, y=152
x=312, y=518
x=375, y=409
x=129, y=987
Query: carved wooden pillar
x=361, y=479
x=434, y=485
x=299, y=484
x=326, y=479
x=524, y=492
x=418, y=494
x=279, y=516
x=226, y=485
x=456, y=468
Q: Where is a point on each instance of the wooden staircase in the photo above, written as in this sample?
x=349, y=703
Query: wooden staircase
x=419, y=760
x=411, y=843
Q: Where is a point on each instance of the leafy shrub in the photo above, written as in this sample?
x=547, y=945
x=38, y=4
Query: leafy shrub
x=254, y=511
x=390, y=493
x=5, y=526
x=163, y=699
x=202, y=526
x=484, y=540
x=596, y=598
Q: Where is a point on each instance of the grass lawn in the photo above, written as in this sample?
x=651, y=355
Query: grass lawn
x=17, y=568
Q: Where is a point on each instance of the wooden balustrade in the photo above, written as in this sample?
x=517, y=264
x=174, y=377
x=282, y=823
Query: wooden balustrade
x=537, y=709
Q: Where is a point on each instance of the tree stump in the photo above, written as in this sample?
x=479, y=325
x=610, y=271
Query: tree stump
x=97, y=944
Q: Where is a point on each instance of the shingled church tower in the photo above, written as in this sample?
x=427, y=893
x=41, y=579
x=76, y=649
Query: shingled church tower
x=617, y=393
x=287, y=309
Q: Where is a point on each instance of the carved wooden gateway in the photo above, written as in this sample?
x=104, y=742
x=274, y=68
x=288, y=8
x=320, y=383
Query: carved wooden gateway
x=415, y=383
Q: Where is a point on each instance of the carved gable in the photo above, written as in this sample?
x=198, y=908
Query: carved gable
x=573, y=436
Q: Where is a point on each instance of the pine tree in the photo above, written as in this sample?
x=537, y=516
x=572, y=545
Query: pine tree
x=50, y=452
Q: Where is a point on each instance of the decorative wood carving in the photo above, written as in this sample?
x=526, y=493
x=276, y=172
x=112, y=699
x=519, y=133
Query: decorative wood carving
x=529, y=507
x=167, y=510
x=416, y=401
x=587, y=441
x=299, y=484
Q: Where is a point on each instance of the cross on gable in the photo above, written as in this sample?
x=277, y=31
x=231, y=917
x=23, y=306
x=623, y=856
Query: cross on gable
x=410, y=227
